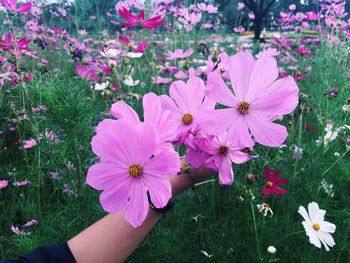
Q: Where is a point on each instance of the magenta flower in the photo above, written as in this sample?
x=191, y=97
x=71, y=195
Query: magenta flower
x=129, y=169
x=8, y=42
x=141, y=48
x=186, y=102
x=11, y=6
x=87, y=73
x=225, y=149
x=179, y=54
x=257, y=99
x=139, y=21
x=273, y=182
x=3, y=184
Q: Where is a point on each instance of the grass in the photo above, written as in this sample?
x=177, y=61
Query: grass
x=222, y=221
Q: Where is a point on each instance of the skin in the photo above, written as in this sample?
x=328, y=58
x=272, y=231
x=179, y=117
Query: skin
x=112, y=239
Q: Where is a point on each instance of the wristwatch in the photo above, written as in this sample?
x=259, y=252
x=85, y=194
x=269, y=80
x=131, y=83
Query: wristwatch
x=162, y=210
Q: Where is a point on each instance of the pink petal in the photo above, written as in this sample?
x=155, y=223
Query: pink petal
x=138, y=206
x=101, y=175
x=195, y=158
x=240, y=69
x=116, y=134
x=147, y=141
x=152, y=109
x=264, y=73
x=122, y=110
x=239, y=157
x=159, y=189
x=217, y=90
x=195, y=93
x=226, y=172
x=169, y=104
x=165, y=163
x=279, y=99
x=115, y=199
x=167, y=127
x=266, y=132
x=25, y=8
x=239, y=132
x=178, y=92
x=215, y=122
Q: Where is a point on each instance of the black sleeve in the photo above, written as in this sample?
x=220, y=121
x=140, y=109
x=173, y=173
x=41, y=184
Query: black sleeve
x=50, y=254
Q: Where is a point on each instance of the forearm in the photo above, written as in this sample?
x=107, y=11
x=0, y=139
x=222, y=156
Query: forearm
x=112, y=239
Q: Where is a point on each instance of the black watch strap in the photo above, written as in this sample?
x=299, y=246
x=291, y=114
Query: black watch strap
x=162, y=210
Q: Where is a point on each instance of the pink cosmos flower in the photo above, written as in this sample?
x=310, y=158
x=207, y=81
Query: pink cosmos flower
x=179, y=54
x=11, y=6
x=239, y=29
x=133, y=21
x=160, y=80
x=29, y=143
x=21, y=183
x=3, y=184
x=251, y=15
x=186, y=102
x=17, y=231
x=225, y=149
x=129, y=169
x=257, y=99
x=141, y=48
x=240, y=6
x=273, y=182
x=207, y=8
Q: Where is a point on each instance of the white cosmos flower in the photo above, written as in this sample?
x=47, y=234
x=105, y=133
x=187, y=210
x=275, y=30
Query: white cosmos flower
x=130, y=82
x=316, y=228
x=264, y=209
x=110, y=53
x=134, y=54
x=101, y=86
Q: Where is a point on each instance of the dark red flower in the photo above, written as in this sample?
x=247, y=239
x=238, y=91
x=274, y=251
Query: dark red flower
x=273, y=182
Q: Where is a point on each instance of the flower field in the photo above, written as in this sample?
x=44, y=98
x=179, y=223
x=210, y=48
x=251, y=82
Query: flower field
x=102, y=102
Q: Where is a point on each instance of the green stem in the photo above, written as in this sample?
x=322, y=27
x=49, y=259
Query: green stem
x=256, y=230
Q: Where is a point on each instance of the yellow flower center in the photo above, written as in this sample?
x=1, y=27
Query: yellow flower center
x=223, y=150
x=243, y=107
x=316, y=227
x=266, y=206
x=269, y=184
x=187, y=119
x=135, y=170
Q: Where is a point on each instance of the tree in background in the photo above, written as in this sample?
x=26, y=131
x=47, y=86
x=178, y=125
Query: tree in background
x=260, y=8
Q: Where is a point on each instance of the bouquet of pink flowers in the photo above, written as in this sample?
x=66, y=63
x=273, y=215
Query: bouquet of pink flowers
x=138, y=156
